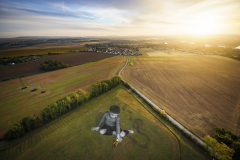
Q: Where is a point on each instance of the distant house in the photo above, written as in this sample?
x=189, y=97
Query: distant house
x=76, y=51
x=11, y=64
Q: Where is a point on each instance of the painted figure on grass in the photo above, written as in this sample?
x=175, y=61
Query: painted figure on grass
x=111, y=124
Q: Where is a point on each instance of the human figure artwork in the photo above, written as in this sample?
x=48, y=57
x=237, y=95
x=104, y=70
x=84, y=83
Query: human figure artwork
x=111, y=124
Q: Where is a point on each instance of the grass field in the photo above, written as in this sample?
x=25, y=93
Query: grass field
x=70, y=136
x=33, y=67
x=17, y=103
x=201, y=92
x=25, y=52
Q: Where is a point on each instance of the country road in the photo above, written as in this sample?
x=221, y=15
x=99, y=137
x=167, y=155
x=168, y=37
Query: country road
x=158, y=108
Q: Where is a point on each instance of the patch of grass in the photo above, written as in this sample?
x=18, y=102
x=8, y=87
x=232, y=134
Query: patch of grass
x=130, y=60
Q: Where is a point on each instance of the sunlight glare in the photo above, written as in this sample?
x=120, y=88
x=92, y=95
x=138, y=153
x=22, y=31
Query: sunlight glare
x=204, y=26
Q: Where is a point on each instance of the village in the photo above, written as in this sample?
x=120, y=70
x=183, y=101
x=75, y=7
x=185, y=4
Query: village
x=105, y=48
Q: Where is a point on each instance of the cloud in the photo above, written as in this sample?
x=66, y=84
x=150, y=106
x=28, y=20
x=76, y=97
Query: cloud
x=115, y=15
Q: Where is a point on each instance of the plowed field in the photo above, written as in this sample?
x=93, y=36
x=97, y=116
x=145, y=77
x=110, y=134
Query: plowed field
x=32, y=67
x=201, y=92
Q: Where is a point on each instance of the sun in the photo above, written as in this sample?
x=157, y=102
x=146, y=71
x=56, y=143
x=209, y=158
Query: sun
x=203, y=27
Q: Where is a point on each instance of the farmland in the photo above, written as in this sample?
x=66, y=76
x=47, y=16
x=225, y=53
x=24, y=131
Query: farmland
x=29, y=51
x=201, y=92
x=17, y=103
x=70, y=136
x=32, y=67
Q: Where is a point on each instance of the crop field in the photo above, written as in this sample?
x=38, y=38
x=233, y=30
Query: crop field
x=32, y=67
x=154, y=52
x=58, y=45
x=201, y=92
x=17, y=103
x=26, y=52
x=71, y=137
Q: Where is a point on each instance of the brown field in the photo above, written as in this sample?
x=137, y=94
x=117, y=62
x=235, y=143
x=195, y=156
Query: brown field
x=32, y=67
x=56, y=45
x=16, y=103
x=201, y=92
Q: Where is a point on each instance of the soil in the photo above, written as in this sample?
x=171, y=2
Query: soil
x=201, y=92
x=32, y=67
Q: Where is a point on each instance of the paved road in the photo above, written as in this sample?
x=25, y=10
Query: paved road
x=158, y=108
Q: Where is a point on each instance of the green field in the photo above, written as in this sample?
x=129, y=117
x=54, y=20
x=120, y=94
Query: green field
x=71, y=137
x=130, y=60
x=17, y=103
x=26, y=52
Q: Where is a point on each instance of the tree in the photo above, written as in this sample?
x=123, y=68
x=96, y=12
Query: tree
x=82, y=95
x=218, y=150
x=68, y=102
x=74, y=99
x=16, y=130
x=223, y=151
x=51, y=65
x=53, y=109
x=162, y=112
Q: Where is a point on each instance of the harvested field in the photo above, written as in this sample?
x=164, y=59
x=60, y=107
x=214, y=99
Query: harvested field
x=32, y=67
x=38, y=51
x=17, y=103
x=201, y=92
x=57, y=45
x=154, y=52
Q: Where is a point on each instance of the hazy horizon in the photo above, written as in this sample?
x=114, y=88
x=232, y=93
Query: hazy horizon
x=81, y=18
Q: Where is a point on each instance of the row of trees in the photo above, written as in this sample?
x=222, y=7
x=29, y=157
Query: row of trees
x=51, y=65
x=54, y=110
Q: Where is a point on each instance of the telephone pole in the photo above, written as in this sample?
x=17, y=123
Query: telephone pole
x=42, y=88
x=23, y=87
x=34, y=89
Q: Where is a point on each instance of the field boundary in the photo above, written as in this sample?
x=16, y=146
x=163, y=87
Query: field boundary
x=171, y=119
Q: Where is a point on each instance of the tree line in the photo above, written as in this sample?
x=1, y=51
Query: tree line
x=54, y=110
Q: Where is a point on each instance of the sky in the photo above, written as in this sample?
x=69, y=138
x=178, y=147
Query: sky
x=78, y=18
